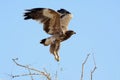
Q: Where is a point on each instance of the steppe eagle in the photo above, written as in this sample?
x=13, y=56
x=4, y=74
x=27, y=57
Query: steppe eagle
x=54, y=23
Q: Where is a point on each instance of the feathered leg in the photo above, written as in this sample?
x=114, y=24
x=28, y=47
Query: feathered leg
x=56, y=56
x=54, y=48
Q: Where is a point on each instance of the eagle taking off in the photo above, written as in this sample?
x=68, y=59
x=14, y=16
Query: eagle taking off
x=54, y=23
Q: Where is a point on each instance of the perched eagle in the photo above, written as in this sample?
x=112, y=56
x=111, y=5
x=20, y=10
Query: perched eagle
x=54, y=23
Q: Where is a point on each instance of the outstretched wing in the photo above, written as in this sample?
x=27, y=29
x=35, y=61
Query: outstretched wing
x=54, y=48
x=66, y=16
x=49, y=18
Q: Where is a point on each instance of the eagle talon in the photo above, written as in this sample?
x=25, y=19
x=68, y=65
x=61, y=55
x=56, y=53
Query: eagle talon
x=57, y=58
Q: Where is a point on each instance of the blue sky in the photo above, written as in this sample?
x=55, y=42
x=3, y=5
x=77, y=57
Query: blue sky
x=96, y=22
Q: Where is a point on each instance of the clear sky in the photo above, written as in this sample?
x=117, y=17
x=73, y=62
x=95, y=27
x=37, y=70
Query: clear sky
x=96, y=22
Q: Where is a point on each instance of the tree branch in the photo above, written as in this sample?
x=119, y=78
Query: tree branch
x=83, y=67
x=44, y=73
x=93, y=70
x=30, y=75
x=13, y=76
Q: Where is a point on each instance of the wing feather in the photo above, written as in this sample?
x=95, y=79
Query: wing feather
x=65, y=22
x=65, y=19
x=49, y=18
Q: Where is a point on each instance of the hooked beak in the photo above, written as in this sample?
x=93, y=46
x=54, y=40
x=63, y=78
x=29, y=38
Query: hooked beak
x=74, y=33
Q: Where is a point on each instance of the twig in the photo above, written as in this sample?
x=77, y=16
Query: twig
x=30, y=75
x=47, y=75
x=92, y=71
x=56, y=76
x=83, y=67
x=24, y=75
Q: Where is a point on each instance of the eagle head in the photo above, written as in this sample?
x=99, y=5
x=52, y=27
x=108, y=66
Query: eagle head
x=68, y=34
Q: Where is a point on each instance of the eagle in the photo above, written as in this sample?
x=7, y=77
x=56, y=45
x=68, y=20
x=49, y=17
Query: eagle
x=54, y=23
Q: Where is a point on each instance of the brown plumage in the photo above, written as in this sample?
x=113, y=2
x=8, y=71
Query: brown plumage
x=54, y=23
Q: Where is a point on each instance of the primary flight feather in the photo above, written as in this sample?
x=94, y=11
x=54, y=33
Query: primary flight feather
x=54, y=23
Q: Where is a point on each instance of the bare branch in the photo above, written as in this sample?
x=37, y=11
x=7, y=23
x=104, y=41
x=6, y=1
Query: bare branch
x=13, y=76
x=92, y=71
x=30, y=75
x=56, y=76
x=44, y=73
x=94, y=60
x=83, y=67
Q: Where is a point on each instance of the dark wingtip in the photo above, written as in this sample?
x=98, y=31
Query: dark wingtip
x=35, y=9
x=63, y=11
x=27, y=9
x=43, y=42
x=26, y=16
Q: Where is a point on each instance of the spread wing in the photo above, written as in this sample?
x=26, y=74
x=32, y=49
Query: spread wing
x=65, y=19
x=54, y=48
x=49, y=18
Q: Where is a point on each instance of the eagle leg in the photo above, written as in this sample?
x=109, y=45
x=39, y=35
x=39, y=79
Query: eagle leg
x=56, y=56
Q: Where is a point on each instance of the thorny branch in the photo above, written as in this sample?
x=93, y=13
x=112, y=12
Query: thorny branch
x=44, y=73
